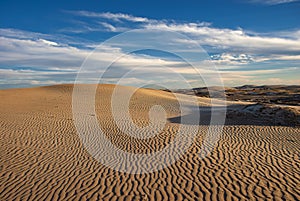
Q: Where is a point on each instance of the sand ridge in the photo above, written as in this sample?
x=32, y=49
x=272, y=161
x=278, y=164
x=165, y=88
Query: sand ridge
x=42, y=157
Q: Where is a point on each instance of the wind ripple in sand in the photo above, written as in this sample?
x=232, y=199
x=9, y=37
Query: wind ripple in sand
x=42, y=157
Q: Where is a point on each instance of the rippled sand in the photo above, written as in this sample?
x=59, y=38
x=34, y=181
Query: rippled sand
x=42, y=156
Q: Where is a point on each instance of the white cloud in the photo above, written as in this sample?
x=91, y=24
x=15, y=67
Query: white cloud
x=112, y=28
x=110, y=16
x=232, y=59
x=46, y=53
x=109, y=26
x=51, y=43
x=235, y=41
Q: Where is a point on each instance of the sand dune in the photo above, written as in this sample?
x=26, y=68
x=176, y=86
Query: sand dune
x=43, y=158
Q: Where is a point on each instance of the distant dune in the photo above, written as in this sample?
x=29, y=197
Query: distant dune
x=270, y=94
x=43, y=158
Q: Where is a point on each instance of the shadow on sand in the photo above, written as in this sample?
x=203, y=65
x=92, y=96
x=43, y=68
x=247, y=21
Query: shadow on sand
x=238, y=115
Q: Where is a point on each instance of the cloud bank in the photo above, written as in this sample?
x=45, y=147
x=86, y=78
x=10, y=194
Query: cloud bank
x=243, y=56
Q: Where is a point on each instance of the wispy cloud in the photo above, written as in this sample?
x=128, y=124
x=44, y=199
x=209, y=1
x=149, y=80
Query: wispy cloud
x=111, y=16
x=232, y=59
x=233, y=40
x=272, y=2
x=238, y=41
x=112, y=28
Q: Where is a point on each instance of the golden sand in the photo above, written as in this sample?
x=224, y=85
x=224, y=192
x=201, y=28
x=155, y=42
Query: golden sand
x=42, y=156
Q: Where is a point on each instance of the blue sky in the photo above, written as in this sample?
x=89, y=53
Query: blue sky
x=249, y=41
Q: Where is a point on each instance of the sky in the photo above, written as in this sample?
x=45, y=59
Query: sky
x=241, y=41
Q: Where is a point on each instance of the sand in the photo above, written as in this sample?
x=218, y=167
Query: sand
x=43, y=158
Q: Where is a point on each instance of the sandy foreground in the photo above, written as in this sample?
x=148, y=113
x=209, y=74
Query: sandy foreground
x=43, y=158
